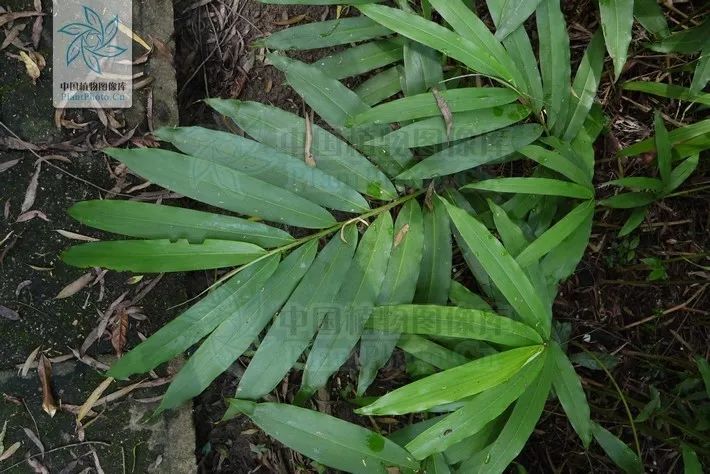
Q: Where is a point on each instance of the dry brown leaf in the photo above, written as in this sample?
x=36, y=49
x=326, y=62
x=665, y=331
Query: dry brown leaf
x=75, y=236
x=11, y=35
x=445, y=111
x=291, y=21
x=35, y=439
x=7, y=165
x=119, y=333
x=7, y=313
x=7, y=454
x=91, y=401
x=31, y=192
x=76, y=286
x=8, y=17
x=44, y=371
x=310, y=161
x=37, y=28
x=61, y=158
x=37, y=467
x=6, y=211
x=28, y=216
x=28, y=362
x=401, y=235
x=31, y=66
x=12, y=143
x=21, y=286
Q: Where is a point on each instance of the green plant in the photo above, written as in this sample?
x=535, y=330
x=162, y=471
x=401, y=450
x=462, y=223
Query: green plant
x=494, y=354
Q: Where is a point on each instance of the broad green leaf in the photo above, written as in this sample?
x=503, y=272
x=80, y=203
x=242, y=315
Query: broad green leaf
x=634, y=220
x=663, y=149
x=649, y=14
x=266, y=164
x=155, y=256
x=323, y=34
x=299, y=319
x=628, y=200
x=379, y=87
x=617, y=450
x=475, y=413
x=562, y=261
x=336, y=104
x=433, y=130
x=324, y=438
x=638, y=183
x=474, y=152
x=518, y=46
x=584, y=87
x=682, y=172
x=195, y=323
x=317, y=2
x=502, y=269
x=451, y=321
x=464, y=450
x=436, y=464
x=679, y=136
x=513, y=15
x=361, y=59
x=686, y=41
x=234, y=335
x=701, y=76
x=431, y=352
x=287, y=132
x=540, y=186
x=555, y=235
x=223, y=187
x=511, y=235
x=344, y=323
x=691, y=463
x=518, y=428
x=617, y=18
x=670, y=91
x=435, y=272
x=153, y=221
x=437, y=37
x=422, y=68
x=568, y=388
x=454, y=384
x=398, y=287
x=424, y=105
x=556, y=162
x=465, y=298
x=704, y=369
x=554, y=60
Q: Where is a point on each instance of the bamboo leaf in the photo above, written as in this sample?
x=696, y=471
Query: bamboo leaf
x=424, y=105
x=324, y=34
x=511, y=235
x=686, y=41
x=650, y=16
x=451, y=321
x=465, y=298
x=435, y=272
x=701, y=76
x=502, y=269
x=635, y=219
x=554, y=60
x=628, y=200
x=286, y=132
x=514, y=15
x=638, y=183
x=235, y=334
x=556, y=234
x=224, y=187
x=664, y=151
x=433, y=130
x=299, y=319
x=436, y=464
x=617, y=17
x=682, y=172
x=431, y=352
x=379, y=87
x=155, y=256
x=152, y=221
x=344, y=323
x=678, y=137
x=398, y=287
x=266, y=164
x=361, y=59
x=556, y=162
x=324, y=438
x=540, y=186
x=475, y=414
x=195, y=323
x=475, y=152
x=422, y=68
x=617, y=450
x=454, y=384
x=568, y=388
x=670, y=91
x=691, y=462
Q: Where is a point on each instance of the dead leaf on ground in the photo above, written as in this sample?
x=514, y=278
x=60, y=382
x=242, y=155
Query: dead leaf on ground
x=91, y=401
x=37, y=28
x=401, y=235
x=31, y=193
x=7, y=313
x=119, y=332
x=75, y=236
x=7, y=454
x=8, y=17
x=44, y=371
x=76, y=286
x=12, y=143
x=310, y=161
x=35, y=439
x=445, y=111
x=11, y=35
x=28, y=216
x=31, y=66
x=7, y=165
x=291, y=21
x=21, y=286
x=37, y=467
